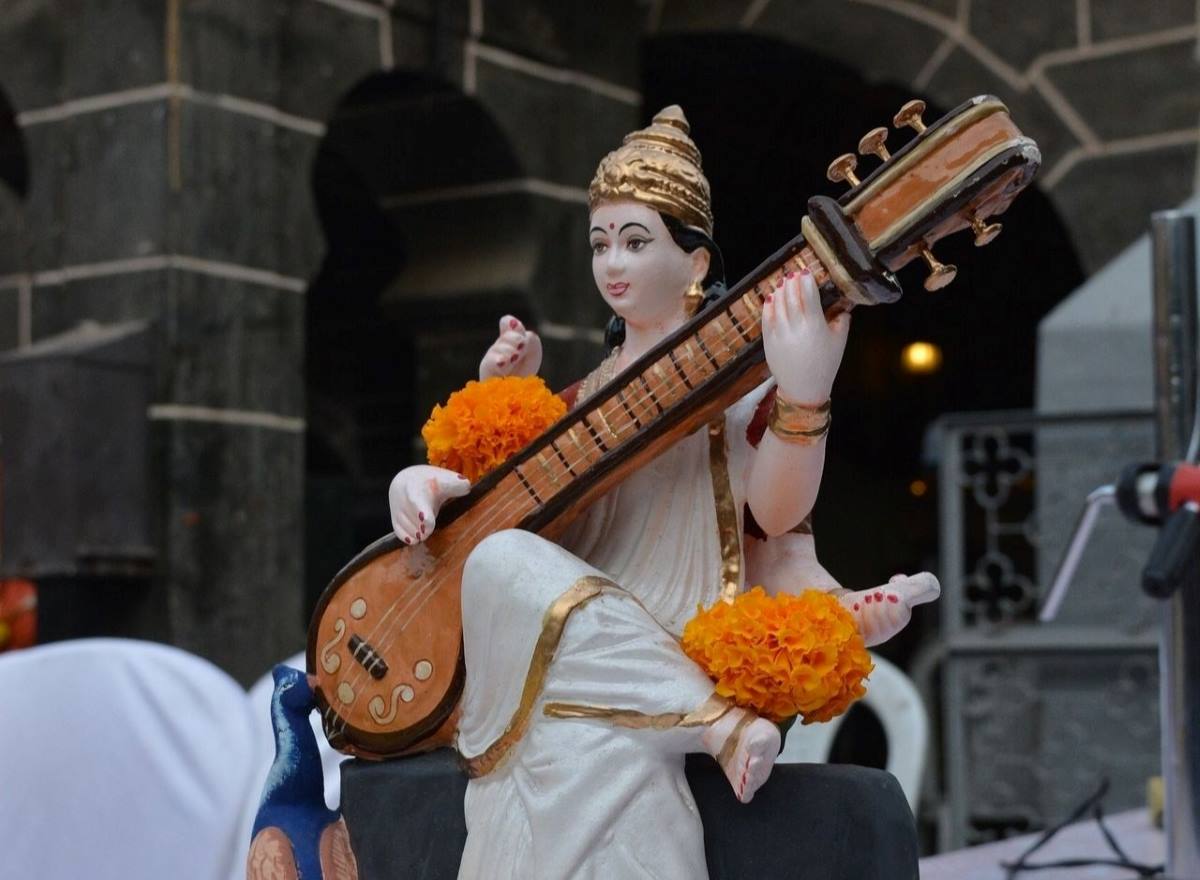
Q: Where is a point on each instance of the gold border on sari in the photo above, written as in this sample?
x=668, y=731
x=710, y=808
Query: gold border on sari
x=734, y=739
x=728, y=529
x=707, y=713
x=554, y=622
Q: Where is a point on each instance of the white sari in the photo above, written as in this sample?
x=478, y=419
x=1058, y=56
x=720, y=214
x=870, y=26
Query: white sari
x=579, y=704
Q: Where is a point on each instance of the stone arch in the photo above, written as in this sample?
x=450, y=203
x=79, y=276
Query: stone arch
x=429, y=238
x=945, y=50
x=1074, y=75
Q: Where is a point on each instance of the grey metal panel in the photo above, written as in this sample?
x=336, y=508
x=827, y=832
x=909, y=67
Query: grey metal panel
x=1034, y=714
x=1039, y=731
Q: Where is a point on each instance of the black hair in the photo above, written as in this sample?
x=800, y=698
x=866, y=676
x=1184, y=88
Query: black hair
x=689, y=239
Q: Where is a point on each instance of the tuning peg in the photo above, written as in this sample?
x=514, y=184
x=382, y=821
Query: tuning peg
x=842, y=168
x=910, y=115
x=940, y=274
x=872, y=144
x=985, y=233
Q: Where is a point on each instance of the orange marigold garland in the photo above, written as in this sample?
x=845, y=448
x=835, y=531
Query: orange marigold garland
x=485, y=423
x=782, y=655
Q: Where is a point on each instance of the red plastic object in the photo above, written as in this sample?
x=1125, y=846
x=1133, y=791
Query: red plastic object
x=18, y=614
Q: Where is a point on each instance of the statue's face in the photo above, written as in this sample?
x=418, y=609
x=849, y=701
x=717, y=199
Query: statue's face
x=639, y=269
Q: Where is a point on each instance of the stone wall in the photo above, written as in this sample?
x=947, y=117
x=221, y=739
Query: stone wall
x=171, y=148
x=140, y=208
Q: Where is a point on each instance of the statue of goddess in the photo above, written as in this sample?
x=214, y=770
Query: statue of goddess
x=579, y=705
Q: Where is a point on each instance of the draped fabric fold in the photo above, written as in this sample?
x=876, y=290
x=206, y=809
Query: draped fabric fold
x=581, y=797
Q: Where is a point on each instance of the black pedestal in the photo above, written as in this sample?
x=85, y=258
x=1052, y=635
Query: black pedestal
x=809, y=822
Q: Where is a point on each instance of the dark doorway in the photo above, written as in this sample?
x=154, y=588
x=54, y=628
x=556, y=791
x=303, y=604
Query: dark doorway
x=421, y=230
x=14, y=163
x=15, y=246
x=768, y=118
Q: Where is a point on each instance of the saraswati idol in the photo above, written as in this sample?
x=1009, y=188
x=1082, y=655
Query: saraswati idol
x=532, y=619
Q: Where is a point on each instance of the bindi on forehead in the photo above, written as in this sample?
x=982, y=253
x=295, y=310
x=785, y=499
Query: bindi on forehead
x=612, y=225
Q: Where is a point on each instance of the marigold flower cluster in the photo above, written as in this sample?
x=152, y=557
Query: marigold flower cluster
x=485, y=423
x=782, y=655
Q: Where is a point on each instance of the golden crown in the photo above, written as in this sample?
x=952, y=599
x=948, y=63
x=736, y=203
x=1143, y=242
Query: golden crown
x=660, y=167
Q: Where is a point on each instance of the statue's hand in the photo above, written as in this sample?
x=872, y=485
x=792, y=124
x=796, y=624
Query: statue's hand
x=885, y=610
x=803, y=350
x=516, y=352
x=417, y=494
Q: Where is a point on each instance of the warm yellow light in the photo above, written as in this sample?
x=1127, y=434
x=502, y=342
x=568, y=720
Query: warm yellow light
x=918, y=488
x=921, y=357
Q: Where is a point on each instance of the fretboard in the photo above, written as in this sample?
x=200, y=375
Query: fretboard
x=685, y=381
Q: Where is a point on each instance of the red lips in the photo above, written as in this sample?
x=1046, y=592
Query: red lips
x=618, y=288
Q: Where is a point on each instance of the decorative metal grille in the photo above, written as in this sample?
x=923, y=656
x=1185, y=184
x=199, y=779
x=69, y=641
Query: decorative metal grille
x=997, y=469
x=1034, y=714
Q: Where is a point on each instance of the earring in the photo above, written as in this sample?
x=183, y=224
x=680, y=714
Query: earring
x=692, y=298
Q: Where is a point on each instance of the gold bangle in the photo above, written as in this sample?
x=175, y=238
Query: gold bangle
x=799, y=423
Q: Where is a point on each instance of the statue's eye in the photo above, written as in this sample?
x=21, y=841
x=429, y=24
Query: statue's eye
x=636, y=244
x=599, y=247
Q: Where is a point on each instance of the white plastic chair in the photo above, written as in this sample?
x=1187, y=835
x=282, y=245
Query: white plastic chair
x=121, y=759
x=895, y=701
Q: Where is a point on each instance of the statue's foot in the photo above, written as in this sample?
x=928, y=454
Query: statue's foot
x=882, y=612
x=746, y=747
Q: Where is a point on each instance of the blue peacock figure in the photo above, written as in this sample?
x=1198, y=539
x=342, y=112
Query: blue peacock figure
x=295, y=836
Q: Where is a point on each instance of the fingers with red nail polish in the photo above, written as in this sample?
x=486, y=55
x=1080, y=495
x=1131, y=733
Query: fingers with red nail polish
x=516, y=351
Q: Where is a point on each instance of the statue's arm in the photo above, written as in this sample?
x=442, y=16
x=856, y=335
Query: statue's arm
x=803, y=352
x=788, y=564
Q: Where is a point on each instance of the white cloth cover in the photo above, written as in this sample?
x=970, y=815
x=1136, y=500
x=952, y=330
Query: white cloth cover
x=123, y=760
